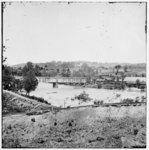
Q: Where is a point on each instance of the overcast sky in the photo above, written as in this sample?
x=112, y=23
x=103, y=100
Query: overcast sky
x=102, y=32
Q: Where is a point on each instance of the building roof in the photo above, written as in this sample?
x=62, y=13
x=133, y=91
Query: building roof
x=133, y=79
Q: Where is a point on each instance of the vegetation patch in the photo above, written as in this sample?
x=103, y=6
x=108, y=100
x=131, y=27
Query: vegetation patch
x=14, y=103
x=98, y=102
x=39, y=99
x=83, y=97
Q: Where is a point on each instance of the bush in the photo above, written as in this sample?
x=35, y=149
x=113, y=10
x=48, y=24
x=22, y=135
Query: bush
x=99, y=86
x=143, y=99
x=7, y=78
x=39, y=99
x=127, y=100
x=100, y=102
x=84, y=97
x=33, y=119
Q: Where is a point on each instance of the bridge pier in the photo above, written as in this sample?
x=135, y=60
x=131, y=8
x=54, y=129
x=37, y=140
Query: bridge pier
x=55, y=84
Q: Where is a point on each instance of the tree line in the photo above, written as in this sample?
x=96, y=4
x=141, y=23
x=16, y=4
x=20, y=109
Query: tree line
x=80, y=69
x=29, y=82
x=63, y=70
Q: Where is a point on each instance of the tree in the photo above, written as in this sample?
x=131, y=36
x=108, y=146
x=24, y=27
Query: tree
x=66, y=72
x=30, y=81
x=117, y=67
x=8, y=78
x=58, y=71
x=4, y=58
x=78, y=73
x=17, y=71
x=63, y=72
x=138, y=83
x=37, y=70
x=123, y=77
x=125, y=69
x=88, y=71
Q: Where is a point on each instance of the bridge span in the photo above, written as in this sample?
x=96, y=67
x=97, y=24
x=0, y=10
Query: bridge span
x=62, y=80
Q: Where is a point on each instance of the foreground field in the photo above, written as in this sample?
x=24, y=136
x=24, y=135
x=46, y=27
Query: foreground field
x=100, y=127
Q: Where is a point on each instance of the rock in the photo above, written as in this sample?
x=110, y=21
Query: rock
x=9, y=127
x=40, y=140
x=33, y=119
x=99, y=138
x=59, y=139
x=69, y=124
x=135, y=131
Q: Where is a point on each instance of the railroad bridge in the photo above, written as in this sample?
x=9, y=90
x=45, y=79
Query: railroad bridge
x=62, y=80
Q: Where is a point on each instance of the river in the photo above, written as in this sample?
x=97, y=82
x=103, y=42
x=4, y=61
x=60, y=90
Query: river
x=64, y=93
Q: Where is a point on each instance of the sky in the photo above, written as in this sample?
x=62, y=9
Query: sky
x=47, y=31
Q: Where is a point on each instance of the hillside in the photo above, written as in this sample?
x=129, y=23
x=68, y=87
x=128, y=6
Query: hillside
x=88, y=127
x=14, y=103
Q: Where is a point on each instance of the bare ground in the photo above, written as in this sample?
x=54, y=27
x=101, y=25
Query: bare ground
x=100, y=127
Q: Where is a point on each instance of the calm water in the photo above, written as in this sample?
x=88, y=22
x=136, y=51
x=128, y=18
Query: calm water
x=63, y=94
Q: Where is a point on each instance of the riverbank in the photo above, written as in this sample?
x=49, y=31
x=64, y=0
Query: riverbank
x=13, y=103
x=86, y=127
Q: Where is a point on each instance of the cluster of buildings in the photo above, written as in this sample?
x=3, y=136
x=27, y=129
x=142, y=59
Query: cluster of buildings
x=119, y=81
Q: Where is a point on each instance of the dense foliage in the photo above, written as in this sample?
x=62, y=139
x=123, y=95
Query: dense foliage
x=9, y=82
x=39, y=99
x=82, y=69
x=30, y=81
x=8, y=79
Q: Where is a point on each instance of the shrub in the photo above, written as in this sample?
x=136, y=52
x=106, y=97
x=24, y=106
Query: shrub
x=83, y=96
x=33, y=119
x=127, y=100
x=99, y=102
x=39, y=99
x=135, y=131
x=143, y=99
x=99, y=86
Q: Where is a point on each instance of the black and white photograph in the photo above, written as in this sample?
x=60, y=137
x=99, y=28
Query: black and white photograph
x=74, y=74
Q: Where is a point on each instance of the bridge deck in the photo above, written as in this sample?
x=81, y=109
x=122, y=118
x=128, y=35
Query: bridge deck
x=62, y=79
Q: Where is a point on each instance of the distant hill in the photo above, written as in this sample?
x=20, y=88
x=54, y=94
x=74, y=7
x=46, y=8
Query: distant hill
x=72, y=64
x=85, y=68
x=18, y=65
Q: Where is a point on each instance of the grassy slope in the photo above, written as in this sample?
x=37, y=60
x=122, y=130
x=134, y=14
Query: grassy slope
x=82, y=127
x=14, y=103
